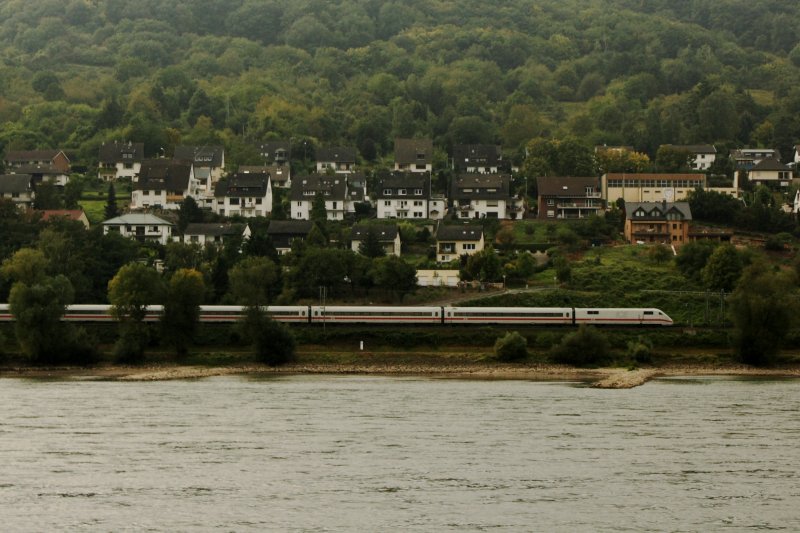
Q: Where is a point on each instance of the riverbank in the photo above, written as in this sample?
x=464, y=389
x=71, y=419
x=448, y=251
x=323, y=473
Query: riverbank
x=608, y=378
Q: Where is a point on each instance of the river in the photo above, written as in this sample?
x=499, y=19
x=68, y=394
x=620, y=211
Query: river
x=367, y=453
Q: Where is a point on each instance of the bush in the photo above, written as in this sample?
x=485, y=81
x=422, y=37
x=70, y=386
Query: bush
x=132, y=342
x=640, y=350
x=511, y=347
x=585, y=347
x=274, y=342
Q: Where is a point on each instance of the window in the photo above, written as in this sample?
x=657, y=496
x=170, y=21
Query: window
x=128, y=165
x=145, y=193
x=468, y=246
x=401, y=192
x=420, y=167
x=592, y=312
x=387, y=203
x=417, y=192
x=387, y=192
x=334, y=205
x=417, y=203
x=299, y=204
x=258, y=201
x=550, y=201
x=157, y=193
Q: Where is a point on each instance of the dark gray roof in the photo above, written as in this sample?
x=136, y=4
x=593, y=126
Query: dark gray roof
x=113, y=152
x=213, y=229
x=332, y=187
x=163, y=174
x=465, y=232
x=242, y=185
x=15, y=183
x=465, y=155
x=657, y=210
x=566, y=186
x=770, y=163
x=38, y=169
x=384, y=232
x=337, y=154
x=413, y=151
x=694, y=148
x=481, y=186
x=273, y=151
x=404, y=181
x=137, y=219
x=290, y=227
x=22, y=156
x=203, y=156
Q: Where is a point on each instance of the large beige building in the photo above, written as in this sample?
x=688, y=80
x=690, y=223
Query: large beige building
x=649, y=187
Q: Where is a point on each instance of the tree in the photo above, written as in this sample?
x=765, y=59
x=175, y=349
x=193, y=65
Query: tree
x=371, y=246
x=319, y=213
x=47, y=196
x=693, y=256
x=188, y=213
x=761, y=309
x=130, y=292
x=723, y=268
x=111, y=210
x=511, y=347
x=673, y=159
x=185, y=293
x=252, y=281
x=585, y=347
x=395, y=275
x=484, y=266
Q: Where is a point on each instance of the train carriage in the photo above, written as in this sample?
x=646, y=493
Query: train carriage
x=375, y=315
x=610, y=316
x=508, y=315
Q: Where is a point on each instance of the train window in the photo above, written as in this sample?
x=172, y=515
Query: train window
x=592, y=312
x=648, y=312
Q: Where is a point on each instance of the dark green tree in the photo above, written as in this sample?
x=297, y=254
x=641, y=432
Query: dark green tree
x=185, y=292
x=319, y=213
x=511, y=347
x=189, y=213
x=130, y=292
x=111, y=210
x=723, y=268
x=395, y=275
x=371, y=246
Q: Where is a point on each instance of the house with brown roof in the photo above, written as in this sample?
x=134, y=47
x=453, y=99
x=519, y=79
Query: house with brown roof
x=657, y=222
x=120, y=160
x=76, y=215
x=770, y=172
x=703, y=155
x=453, y=241
x=407, y=195
x=569, y=197
x=485, y=196
x=388, y=235
x=54, y=158
x=163, y=184
x=413, y=155
x=339, y=159
x=477, y=158
x=634, y=187
x=334, y=189
x=246, y=194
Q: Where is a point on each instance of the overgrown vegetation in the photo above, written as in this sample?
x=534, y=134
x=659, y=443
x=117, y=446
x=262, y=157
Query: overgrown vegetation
x=511, y=347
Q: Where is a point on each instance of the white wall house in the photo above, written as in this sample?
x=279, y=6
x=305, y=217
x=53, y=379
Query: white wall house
x=408, y=196
x=216, y=234
x=334, y=189
x=413, y=155
x=208, y=161
x=247, y=195
x=477, y=158
x=163, y=184
x=770, y=172
x=454, y=241
x=141, y=227
x=339, y=159
x=120, y=160
x=485, y=196
x=18, y=188
x=387, y=235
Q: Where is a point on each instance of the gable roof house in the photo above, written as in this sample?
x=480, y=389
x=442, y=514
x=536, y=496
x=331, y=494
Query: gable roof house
x=276, y=152
x=18, y=188
x=657, y=222
x=77, y=215
x=43, y=174
x=703, y=155
x=56, y=159
x=338, y=200
x=408, y=196
x=747, y=158
x=280, y=175
x=208, y=162
x=485, y=196
x=569, y=197
x=477, y=158
x=388, y=235
x=142, y=227
x=120, y=160
x=340, y=159
x=772, y=172
x=454, y=241
x=244, y=194
x=215, y=233
x=283, y=232
x=413, y=155
x=163, y=184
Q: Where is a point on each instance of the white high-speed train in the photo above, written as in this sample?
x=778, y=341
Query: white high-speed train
x=311, y=314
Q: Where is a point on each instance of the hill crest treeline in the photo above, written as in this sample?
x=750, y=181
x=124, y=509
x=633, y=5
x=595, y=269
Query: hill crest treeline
x=362, y=72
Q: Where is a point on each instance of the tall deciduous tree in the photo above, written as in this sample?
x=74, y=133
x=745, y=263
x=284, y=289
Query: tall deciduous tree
x=395, y=275
x=130, y=292
x=185, y=293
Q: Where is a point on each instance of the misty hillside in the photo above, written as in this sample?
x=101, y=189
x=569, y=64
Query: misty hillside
x=361, y=72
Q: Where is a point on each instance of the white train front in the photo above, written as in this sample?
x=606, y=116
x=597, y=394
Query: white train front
x=419, y=315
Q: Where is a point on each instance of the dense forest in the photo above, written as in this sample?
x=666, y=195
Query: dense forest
x=361, y=72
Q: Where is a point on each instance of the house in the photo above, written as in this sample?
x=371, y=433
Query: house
x=163, y=184
x=438, y=278
x=616, y=149
x=43, y=174
x=276, y=152
x=454, y=241
x=208, y=161
x=569, y=197
x=56, y=159
x=280, y=175
x=703, y=155
x=284, y=232
x=140, y=226
x=77, y=215
x=334, y=189
x=657, y=222
x=120, y=160
x=18, y=188
x=408, y=196
x=649, y=187
x=770, y=172
x=747, y=158
x=340, y=159
x=388, y=235
x=413, y=155
x=485, y=196
x=477, y=158
x=216, y=233
x=244, y=194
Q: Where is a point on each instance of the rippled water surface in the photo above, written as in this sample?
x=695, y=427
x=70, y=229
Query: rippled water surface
x=382, y=454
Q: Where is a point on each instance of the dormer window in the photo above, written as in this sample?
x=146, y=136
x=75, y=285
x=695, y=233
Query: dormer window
x=401, y=192
x=417, y=192
x=387, y=192
x=420, y=156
